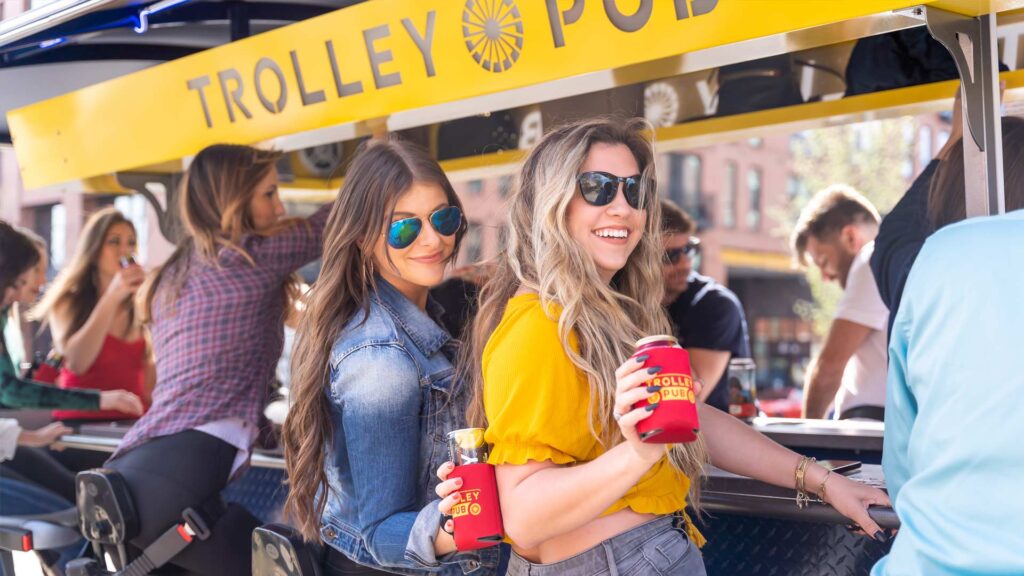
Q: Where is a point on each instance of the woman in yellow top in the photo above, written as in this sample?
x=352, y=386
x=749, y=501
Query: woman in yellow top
x=578, y=284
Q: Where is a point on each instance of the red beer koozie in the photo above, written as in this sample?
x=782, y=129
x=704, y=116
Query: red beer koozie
x=477, y=516
x=675, y=418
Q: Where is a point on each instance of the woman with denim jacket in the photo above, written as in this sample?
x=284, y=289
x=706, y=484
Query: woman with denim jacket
x=373, y=385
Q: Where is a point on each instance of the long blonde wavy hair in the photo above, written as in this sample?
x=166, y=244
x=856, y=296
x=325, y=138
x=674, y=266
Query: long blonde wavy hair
x=541, y=255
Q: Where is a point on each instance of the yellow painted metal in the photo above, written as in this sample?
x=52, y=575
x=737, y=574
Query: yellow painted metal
x=976, y=7
x=914, y=100
x=736, y=258
x=405, y=54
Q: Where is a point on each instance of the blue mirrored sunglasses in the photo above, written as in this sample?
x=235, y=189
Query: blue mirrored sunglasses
x=404, y=232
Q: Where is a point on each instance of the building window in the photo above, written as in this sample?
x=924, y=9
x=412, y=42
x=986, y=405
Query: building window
x=732, y=192
x=684, y=183
x=475, y=187
x=505, y=186
x=472, y=244
x=58, y=236
x=795, y=188
x=754, y=194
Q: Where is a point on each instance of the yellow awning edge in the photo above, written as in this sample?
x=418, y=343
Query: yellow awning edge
x=376, y=58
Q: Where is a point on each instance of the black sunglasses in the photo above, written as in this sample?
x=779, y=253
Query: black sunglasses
x=692, y=248
x=599, y=188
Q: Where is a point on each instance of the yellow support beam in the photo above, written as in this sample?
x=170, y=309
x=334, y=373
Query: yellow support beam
x=775, y=261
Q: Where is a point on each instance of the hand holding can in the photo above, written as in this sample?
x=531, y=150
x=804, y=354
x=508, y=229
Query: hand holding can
x=477, y=514
x=674, y=419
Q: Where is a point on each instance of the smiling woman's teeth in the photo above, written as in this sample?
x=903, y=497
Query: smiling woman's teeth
x=612, y=233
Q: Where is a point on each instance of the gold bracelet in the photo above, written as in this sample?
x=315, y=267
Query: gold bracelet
x=800, y=475
x=821, y=487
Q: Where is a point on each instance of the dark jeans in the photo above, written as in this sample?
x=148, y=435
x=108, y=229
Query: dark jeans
x=337, y=564
x=39, y=467
x=188, y=469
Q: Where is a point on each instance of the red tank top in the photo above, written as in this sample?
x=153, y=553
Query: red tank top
x=120, y=365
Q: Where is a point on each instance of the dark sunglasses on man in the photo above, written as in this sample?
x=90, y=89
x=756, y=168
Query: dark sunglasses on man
x=692, y=248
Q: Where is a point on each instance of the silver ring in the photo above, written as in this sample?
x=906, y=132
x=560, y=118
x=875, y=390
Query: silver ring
x=616, y=416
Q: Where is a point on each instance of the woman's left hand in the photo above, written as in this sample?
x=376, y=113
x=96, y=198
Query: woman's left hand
x=851, y=499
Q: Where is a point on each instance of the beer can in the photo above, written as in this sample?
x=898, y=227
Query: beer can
x=674, y=420
x=741, y=380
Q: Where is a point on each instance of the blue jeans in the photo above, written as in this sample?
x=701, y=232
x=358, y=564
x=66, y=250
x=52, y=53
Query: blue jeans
x=22, y=499
x=652, y=549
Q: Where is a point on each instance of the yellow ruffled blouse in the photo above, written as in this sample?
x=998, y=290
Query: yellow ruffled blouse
x=536, y=402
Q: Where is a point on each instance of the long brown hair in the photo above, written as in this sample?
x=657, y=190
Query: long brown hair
x=214, y=206
x=77, y=287
x=542, y=256
x=17, y=255
x=381, y=173
x=946, y=201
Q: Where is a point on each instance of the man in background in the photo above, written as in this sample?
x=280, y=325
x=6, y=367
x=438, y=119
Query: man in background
x=836, y=232
x=706, y=316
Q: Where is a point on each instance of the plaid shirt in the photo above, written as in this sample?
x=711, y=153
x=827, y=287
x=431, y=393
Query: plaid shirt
x=217, y=345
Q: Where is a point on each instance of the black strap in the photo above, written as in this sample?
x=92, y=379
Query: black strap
x=169, y=544
x=867, y=412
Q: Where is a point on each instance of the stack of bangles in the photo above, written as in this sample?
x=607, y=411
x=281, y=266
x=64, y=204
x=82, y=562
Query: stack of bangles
x=800, y=474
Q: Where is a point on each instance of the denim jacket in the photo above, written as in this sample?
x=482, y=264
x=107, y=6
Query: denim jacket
x=393, y=397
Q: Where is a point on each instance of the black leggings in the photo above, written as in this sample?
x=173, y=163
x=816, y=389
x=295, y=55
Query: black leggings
x=188, y=469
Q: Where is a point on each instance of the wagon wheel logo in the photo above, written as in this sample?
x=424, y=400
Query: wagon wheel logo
x=493, y=30
x=474, y=509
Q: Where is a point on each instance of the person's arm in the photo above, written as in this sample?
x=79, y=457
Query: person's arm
x=541, y=500
x=18, y=393
x=43, y=437
x=378, y=390
x=710, y=338
x=735, y=447
x=826, y=373
x=82, y=348
x=708, y=365
x=294, y=246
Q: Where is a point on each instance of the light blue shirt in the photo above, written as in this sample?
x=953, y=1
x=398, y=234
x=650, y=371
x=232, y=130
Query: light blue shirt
x=954, y=416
